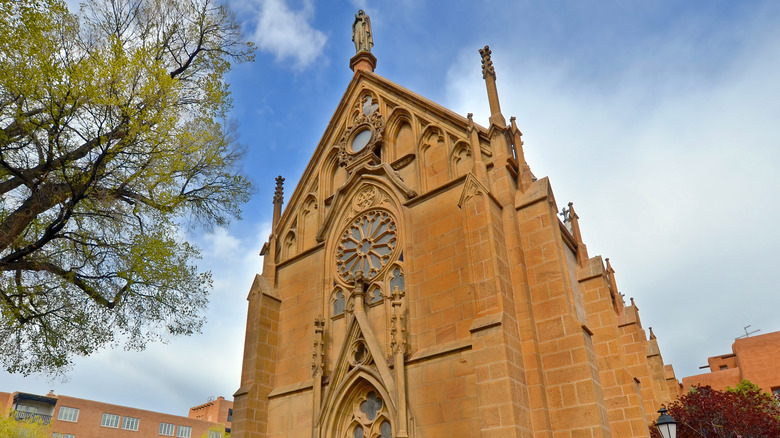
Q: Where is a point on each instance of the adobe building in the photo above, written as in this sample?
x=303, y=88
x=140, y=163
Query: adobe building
x=72, y=417
x=753, y=358
x=419, y=283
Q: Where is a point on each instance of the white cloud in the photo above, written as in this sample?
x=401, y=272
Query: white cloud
x=283, y=32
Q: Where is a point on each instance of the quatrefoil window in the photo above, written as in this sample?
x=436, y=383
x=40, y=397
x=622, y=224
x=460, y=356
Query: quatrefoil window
x=366, y=245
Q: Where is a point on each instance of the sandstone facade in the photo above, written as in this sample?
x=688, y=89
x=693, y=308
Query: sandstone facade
x=420, y=283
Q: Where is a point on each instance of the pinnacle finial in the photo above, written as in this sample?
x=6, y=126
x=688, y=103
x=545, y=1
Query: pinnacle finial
x=278, y=199
x=487, y=63
x=279, y=192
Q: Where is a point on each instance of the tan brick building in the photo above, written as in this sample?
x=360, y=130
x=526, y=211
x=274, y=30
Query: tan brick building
x=755, y=358
x=419, y=283
x=72, y=417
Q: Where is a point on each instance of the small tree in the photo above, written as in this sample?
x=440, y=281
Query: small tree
x=741, y=412
x=10, y=427
x=216, y=431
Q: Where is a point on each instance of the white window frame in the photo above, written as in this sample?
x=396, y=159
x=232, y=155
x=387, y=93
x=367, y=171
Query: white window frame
x=68, y=414
x=110, y=420
x=130, y=423
x=184, y=432
x=215, y=434
x=167, y=429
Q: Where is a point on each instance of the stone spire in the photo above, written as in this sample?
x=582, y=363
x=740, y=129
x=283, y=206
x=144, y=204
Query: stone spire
x=582, y=249
x=363, y=37
x=278, y=199
x=489, y=75
x=524, y=175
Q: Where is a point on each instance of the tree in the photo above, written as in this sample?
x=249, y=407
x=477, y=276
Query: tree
x=217, y=431
x=10, y=427
x=112, y=145
x=741, y=412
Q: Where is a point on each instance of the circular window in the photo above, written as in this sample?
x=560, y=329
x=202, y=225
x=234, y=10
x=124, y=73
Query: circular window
x=361, y=140
x=366, y=245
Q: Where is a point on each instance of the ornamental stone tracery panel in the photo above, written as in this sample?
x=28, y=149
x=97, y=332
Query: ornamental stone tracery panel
x=367, y=415
x=367, y=245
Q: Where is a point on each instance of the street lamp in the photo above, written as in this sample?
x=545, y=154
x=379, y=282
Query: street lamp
x=666, y=424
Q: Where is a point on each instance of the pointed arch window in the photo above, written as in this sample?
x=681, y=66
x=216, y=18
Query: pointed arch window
x=370, y=418
x=339, y=303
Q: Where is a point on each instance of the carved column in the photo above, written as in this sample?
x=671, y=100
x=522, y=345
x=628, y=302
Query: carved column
x=398, y=346
x=317, y=366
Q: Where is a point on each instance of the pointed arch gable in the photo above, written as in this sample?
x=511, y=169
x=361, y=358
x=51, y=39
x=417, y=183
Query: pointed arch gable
x=343, y=377
x=308, y=221
x=401, y=133
x=335, y=418
x=381, y=176
x=461, y=158
x=433, y=152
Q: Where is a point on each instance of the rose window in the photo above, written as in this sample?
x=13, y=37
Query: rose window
x=366, y=245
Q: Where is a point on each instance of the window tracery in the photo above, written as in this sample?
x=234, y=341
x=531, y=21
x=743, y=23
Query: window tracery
x=366, y=245
x=369, y=417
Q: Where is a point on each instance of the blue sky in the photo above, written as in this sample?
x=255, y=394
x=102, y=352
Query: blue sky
x=660, y=120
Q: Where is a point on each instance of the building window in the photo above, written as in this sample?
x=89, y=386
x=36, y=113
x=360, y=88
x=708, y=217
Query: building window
x=724, y=367
x=776, y=392
x=68, y=414
x=167, y=429
x=230, y=415
x=215, y=434
x=62, y=435
x=184, y=432
x=130, y=423
x=110, y=420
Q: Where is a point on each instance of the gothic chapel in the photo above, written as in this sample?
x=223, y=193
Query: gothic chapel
x=419, y=283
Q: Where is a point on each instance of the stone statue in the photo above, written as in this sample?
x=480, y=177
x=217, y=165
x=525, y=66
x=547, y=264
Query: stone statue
x=361, y=32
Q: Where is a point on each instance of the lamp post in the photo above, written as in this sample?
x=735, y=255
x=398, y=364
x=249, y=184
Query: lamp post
x=666, y=424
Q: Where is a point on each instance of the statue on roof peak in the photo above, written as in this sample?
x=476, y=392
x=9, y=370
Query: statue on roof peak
x=361, y=32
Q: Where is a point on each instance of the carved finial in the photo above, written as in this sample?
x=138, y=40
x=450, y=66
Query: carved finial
x=487, y=63
x=565, y=214
x=489, y=75
x=278, y=199
x=517, y=133
x=652, y=335
x=582, y=251
x=398, y=329
x=359, y=282
x=279, y=193
x=361, y=32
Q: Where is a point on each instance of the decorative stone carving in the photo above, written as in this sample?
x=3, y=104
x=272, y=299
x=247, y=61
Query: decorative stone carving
x=361, y=32
x=318, y=355
x=359, y=354
x=361, y=141
x=369, y=417
x=366, y=245
x=487, y=63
